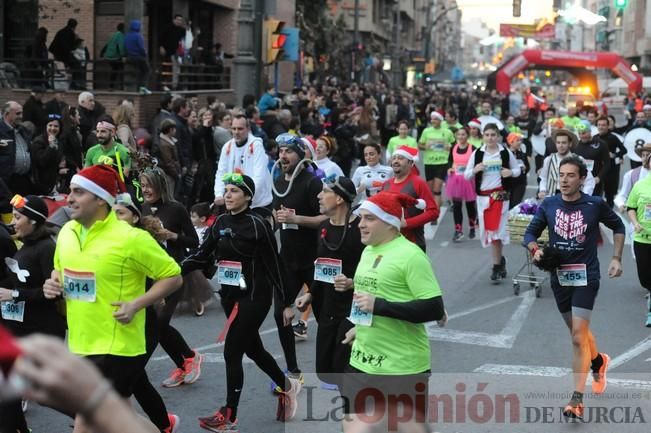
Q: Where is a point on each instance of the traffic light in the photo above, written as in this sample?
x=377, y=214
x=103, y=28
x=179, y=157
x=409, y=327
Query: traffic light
x=517, y=8
x=621, y=4
x=274, y=40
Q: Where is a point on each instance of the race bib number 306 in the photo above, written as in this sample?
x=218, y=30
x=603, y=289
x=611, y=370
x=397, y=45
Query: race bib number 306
x=80, y=286
x=326, y=269
x=13, y=310
x=573, y=275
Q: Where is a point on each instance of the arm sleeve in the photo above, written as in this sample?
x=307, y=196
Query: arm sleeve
x=46, y=264
x=204, y=256
x=188, y=237
x=537, y=225
x=624, y=191
x=451, y=158
x=610, y=218
x=150, y=258
x=418, y=311
x=276, y=271
x=431, y=211
x=620, y=149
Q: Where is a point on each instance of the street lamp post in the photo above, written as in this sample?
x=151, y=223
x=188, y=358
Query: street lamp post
x=396, y=67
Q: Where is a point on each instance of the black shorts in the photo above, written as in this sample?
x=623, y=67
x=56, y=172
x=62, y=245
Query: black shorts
x=580, y=297
x=436, y=171
x=121, y=371
x=362, y=391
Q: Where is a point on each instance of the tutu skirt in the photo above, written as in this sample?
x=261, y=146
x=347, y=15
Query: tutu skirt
x=458, y=187
x=196, y=286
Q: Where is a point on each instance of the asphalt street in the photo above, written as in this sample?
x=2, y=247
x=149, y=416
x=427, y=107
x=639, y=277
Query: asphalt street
x=500, y=365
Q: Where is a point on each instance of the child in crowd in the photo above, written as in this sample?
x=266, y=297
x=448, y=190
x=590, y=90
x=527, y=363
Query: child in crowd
x=199, y=289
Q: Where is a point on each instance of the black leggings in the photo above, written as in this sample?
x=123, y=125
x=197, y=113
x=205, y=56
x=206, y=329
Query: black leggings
x=243, y=338
x=332, y=357
x=642, y=259
x=170, y=339
x=611, y=183
x=143, y=390
x=295, y=281
x=471, y=208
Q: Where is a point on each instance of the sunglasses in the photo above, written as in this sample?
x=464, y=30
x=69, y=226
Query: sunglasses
x=332, y=182
x=19, y=202
x=54, y=117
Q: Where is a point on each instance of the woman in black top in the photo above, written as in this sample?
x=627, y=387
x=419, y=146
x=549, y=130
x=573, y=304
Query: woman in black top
x=249, y=271
x=24, y=308
x=46, y=156
x=331, y=294
x=177, y=234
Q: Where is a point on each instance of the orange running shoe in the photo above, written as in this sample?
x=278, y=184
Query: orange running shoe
x=574, y=410
x=599, y=378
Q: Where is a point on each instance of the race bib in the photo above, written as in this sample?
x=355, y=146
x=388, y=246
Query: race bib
x=647, y=212
x=80, y=286
x=359, y=317
x=438, y=146
x=13, y=310
x=493, y=166
x=287, y=226
x=326, y=270
x=229, y=273
x=573, y=275
x=589, y=163
x=460, y=169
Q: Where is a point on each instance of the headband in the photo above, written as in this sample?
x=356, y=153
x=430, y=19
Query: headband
x=105, y=125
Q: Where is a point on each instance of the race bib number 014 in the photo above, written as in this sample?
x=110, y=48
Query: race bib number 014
x=80, y=286
x=325, y=269
x=573, y=275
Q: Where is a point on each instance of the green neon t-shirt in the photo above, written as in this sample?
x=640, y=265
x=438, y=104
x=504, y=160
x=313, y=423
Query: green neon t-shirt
x=438, y=142
x=398, y=271
x=397, y=141
x=640, y=199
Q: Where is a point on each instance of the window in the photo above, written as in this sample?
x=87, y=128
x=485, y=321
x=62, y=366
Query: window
x=109, y=7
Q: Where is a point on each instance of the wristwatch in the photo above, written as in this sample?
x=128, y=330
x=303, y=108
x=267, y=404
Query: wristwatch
x=15, y=294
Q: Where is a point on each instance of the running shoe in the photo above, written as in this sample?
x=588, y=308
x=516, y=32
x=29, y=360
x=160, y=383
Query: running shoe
x=174, y=423
x=176, y=378
x=23, y=405
x=297, y=376
x=496, y=273
x=458, y=237
x=503, y=267
x=599, y=378
x=648, y=320
x=288, y=401
x=192, y=368
x=300, y=330
x=471, y=234
x=574, y=409
x=219, y=422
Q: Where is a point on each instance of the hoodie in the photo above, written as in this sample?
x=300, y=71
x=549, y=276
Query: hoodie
x=134, y=42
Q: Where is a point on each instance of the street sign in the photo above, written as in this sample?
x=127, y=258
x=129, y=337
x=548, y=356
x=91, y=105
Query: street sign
x=291, y=45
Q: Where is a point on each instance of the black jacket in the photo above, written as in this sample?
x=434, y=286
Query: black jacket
x=63, y=43
x=8, y=148
x=34, y=111
x=45, y=164
x=184, y=143
x=41, y=315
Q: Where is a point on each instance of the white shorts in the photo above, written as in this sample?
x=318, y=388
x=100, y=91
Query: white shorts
x=502, y=233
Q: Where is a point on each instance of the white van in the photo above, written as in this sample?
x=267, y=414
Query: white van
x=617, y=91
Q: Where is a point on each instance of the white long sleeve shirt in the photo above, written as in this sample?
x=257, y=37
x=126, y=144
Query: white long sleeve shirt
x=492, y=177
x=250, y=160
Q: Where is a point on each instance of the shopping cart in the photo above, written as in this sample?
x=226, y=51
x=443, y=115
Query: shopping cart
x=527, y=274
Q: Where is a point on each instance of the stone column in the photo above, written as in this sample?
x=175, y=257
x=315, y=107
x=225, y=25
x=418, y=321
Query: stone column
x=247, y=61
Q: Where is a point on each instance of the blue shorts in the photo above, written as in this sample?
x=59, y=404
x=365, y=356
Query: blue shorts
x=577, y=301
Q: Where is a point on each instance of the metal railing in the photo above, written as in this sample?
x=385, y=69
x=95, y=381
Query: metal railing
x=102, y=74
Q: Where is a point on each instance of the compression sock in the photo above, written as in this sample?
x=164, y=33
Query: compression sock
x=597, y=363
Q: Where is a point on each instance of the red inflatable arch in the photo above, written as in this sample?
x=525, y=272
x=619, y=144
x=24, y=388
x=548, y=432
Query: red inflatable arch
x=570, y=59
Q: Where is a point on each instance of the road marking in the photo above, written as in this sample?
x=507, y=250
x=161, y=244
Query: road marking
x=503, y=340
x=214, y=345
x=434, y=228
x=218, y=358
x=631, y=353
x=445, y=244
x=482, y=307
x=523, y=370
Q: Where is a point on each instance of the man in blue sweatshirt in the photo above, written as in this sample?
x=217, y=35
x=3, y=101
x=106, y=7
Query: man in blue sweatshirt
x=134, y=44
x=573, y=218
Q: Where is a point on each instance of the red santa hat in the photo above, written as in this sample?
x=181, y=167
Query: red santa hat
x=310, y=143
x=436, y=115
x=9, y=351
x=474, y=123
x=411, y=153
x=100, y=180
x=388, y=206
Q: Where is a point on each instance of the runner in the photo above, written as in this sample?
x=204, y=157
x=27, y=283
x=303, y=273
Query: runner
x=633, y=176
x=573, y=218
x=436, y=141
x=639, y=212
x=100, y=266
x=492, y=165
x=595, y=154
x=565, y=141
x=249, y=271
x=474, y=132
x=296, y=209
x=458, y=188
x=396, y=292
x=108, y=151
x=369, y=178
x=402, y=139
x=23, y=309
x=177, y=235
x=406, y=181
x=338, y=253
x=128, y=209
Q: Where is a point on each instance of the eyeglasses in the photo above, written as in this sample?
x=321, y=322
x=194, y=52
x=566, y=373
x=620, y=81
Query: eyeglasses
x=19, y=202
x=54, y=116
